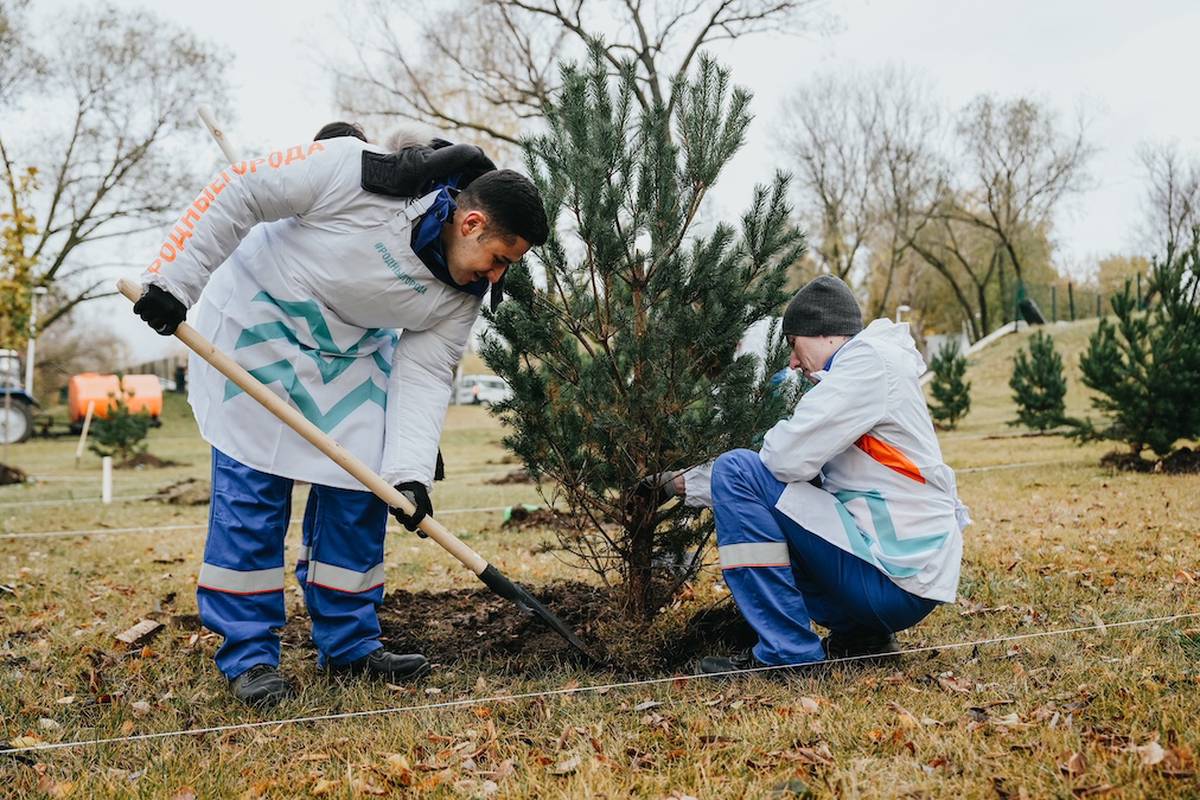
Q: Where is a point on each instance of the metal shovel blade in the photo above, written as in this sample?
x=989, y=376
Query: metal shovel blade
x=504, y=587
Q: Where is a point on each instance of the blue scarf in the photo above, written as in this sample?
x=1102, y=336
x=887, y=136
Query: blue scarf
x=427, y=238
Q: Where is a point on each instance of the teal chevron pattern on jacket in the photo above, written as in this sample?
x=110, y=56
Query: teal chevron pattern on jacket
x=330, y=365
x=889, y=543
x=283, y=372
x=330, y=360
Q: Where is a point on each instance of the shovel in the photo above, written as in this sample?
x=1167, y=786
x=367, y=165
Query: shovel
x=491, y=577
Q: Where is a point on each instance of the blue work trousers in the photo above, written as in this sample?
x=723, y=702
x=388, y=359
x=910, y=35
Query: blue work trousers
x=240, y=589
x=783, y=577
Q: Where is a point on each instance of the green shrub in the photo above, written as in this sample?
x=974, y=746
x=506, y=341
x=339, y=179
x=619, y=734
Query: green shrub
x=1039, y=385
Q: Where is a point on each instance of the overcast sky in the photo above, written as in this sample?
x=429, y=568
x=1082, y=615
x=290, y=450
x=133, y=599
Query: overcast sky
x=1131, y=66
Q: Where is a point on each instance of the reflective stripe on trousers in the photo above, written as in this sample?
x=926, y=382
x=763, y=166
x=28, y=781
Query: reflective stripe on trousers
x=240, y=588
x=784, y=577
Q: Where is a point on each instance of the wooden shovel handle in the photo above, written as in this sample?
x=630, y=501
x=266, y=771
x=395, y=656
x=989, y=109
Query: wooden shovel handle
x=297, y=422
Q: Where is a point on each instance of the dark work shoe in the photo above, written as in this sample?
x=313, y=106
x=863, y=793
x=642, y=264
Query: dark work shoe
x=391, y=667
x=881, y=646
x=745, y=660
x=262, y=686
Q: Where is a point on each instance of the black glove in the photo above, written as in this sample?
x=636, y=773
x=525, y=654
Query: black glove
x=652, y=490
x=418, y=495
x=160, y=309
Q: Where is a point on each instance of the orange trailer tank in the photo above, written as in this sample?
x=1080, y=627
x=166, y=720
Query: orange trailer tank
x=91, y=387
x=141, y=393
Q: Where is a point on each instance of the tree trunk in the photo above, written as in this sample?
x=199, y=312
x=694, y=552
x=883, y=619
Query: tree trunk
x=638, y=600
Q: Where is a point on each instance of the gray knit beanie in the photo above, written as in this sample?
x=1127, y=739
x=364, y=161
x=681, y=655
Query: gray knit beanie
x=824, y=307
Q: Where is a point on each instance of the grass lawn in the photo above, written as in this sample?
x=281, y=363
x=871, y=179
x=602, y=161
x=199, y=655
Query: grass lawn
x=1059, y=542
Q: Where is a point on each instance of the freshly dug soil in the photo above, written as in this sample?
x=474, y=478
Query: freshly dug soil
x=516, y=476
x=148, y=460
x=466, y=625
x=1184, y=461
x=187, y=492
x=10, y=475
x=522, y=518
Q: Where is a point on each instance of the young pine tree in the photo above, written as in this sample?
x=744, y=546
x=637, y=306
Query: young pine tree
x=951, y=394
x=121, y=434
x=1145, y=366
x=1039, y=385
x=622, y=348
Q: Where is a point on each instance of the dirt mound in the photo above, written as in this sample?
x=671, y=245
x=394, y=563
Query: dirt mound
x=148, y=460
x=187, y=492
x=10, y=475
x=525, y=517
x=516, y=476
x=465, y=625
x=1184, y=461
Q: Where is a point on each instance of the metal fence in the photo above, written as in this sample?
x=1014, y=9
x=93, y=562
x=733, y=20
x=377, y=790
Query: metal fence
x=171, y=371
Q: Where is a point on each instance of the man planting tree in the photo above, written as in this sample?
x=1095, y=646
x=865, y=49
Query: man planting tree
x=878, y=544
x=325, y=251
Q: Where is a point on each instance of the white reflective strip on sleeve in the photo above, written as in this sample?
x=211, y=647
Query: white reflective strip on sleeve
x=236, y=581
x=329, y=576
x=754, y=554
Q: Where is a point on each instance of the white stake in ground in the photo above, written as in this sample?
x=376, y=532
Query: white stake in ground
x=106, y=480
x=87, y=423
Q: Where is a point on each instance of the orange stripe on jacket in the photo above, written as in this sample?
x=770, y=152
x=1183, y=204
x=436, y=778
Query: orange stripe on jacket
x=889, y=456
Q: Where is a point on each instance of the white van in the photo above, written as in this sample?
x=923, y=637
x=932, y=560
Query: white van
x=477, y=389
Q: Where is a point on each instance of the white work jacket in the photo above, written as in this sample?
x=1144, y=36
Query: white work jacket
x=886, y=496
x=319, y=295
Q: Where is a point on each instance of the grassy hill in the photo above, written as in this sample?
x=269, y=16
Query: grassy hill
x=988, y=371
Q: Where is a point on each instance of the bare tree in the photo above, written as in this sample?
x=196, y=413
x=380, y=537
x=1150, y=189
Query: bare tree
x=1171, y=207
x=831, y=131
x=114, y=113
x=485, y=68
x=966, y=260
x=1019, y=167
x=865, y=148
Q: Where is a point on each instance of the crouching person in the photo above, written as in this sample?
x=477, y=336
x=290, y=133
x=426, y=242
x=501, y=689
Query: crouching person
x=874, y=548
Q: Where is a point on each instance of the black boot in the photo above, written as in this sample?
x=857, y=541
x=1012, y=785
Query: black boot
x=745, y=660
x=262, y=686
x=880, y=645
x=392, y=667
x=715, y=665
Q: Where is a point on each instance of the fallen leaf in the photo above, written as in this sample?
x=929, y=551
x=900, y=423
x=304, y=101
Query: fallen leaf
x=140, y=633
x=184, y=793
x=361, y=786
x=322, y=787
x=647, y=704
x=809, y=705
x=567, y=767
x=66, y=701
x=1151, y=753
x=141, y=708
x=1075, y=765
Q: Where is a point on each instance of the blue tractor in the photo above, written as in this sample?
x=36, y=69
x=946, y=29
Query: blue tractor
x=16, y=404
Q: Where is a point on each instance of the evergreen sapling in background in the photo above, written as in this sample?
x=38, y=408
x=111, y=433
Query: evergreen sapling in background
x=621, y=348
x=121, y=434
x=951, y=393
x=1144, y=368
x=1039, y=385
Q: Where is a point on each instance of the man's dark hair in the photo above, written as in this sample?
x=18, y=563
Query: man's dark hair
x=333, y=130
x=511, y=202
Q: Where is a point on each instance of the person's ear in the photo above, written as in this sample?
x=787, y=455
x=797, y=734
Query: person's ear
x=473, y=221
